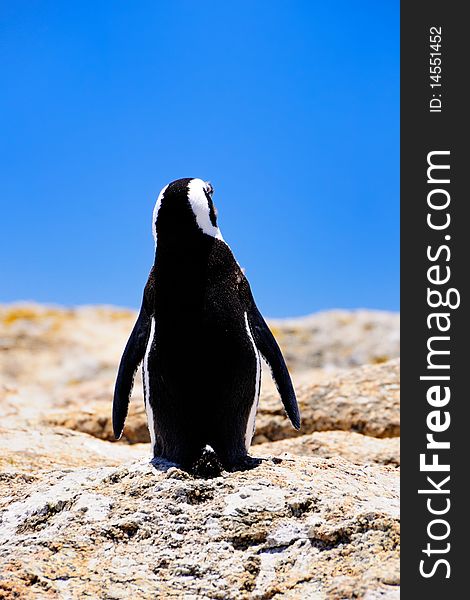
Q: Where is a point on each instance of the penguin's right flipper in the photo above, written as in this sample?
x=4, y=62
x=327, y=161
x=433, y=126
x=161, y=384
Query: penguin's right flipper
x=267, y=345
x=131, y=358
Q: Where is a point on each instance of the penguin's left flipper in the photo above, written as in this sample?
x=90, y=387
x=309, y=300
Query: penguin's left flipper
x=272, y=354
x=130, y=360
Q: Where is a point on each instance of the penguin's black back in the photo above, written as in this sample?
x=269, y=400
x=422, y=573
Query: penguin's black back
x=202, y=367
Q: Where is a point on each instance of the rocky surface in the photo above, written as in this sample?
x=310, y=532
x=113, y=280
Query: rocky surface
x=293, y=527
x=365, y=400
x=83, y=517
x=357, y=448
x=339, y=338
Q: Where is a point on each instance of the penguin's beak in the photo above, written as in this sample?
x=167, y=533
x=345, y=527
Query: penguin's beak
x=209, y=188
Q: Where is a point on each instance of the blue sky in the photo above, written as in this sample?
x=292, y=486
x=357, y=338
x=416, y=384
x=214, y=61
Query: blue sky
x=291, y=109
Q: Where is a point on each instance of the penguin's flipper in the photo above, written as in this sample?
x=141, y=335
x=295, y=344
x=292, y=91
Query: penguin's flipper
x=130, y=360
x=272, y=354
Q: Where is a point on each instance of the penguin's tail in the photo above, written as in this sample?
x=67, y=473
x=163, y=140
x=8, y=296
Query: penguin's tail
x=208, y=464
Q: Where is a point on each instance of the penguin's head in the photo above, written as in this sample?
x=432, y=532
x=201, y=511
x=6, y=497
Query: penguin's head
x=185, y=207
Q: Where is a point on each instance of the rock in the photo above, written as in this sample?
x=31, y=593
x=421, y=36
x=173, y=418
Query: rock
x=364, y=400
x=96, y=421
x=32, y=449
x=295, y=528
x=338, y=338
x=55, y=347
x=357, y=448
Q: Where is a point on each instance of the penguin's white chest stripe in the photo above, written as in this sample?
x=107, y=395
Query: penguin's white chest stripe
x=148, y=406
x=250, y=427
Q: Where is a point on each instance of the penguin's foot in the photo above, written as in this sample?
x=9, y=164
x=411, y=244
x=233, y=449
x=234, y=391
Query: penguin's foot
x=246, y=463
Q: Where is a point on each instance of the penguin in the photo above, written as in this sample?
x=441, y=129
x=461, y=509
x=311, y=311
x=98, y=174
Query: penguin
x=200, y=337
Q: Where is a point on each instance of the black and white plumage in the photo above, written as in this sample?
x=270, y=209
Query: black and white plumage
x=199, y=336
